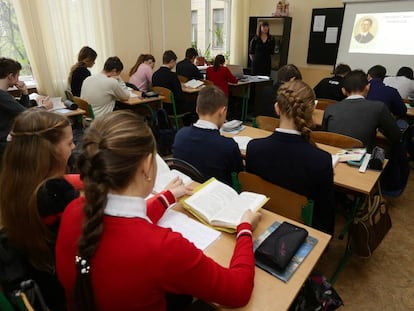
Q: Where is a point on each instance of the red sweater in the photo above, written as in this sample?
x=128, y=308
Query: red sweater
x=221, y=78
x=137, y=262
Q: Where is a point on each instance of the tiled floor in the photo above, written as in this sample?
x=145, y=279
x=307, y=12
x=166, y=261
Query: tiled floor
x=386, y=280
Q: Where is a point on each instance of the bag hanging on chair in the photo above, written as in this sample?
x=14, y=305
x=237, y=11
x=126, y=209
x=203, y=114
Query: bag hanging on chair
x=369, y=227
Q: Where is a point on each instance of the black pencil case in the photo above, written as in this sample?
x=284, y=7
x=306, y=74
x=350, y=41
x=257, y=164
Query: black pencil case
x=281, y=245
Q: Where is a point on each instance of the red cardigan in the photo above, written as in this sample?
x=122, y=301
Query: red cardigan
x=221, y=78
x=137, y=262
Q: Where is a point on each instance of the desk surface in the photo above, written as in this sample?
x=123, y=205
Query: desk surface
x=345, y=176
x=72, y=113
x=139, y=100
x=269, y=293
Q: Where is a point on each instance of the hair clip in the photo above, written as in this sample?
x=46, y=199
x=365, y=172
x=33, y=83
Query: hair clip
x=82, y=265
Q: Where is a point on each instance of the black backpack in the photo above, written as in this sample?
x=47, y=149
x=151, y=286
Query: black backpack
x=164, y=132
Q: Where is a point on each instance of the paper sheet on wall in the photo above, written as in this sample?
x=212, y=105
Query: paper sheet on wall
x=331, y=34
x=319, y=23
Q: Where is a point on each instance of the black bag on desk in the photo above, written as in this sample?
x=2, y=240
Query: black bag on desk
x=281, y=245
x=369, y=227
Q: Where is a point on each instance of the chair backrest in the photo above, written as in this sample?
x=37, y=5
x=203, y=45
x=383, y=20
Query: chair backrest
x=267, y=123
x=169, y=96
x=186, y=168
x=69, y=95
x=336, y=140
x=182, y=79
x=282, y=201
x=324, y=102
x=83, y=104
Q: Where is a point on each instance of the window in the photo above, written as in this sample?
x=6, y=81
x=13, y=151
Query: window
x=218, y=28
x=213, y=27
x=11, y=45
x=194, y=28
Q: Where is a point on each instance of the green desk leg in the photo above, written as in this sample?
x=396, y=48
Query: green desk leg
x=245, y=101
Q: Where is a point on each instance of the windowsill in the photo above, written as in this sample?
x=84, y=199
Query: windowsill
x=31, y=84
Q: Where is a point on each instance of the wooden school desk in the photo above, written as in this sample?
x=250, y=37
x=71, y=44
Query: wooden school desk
x=71, y=113
x=136, y=103
x=269, y=293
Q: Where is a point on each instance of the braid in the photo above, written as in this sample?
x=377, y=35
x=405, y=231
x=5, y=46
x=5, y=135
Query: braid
x=296, y=101
x=113, y=148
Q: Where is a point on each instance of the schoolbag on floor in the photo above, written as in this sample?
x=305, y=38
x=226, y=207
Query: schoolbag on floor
x=164, y=132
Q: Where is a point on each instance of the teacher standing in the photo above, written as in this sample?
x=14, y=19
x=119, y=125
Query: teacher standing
x=260, y=50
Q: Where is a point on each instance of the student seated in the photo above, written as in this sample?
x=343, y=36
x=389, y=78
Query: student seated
x=165, y=77
x=285, y=73
x=331, y=88
x=124, y=261
x=220, y=75
x=79, y=72
x=202, y=145
x=33, y=193
x=386, y=94
x=141, y=73
x=358, y=117
x=289, y=159
x=102, y=90
x=187, y=68
x=403, y=82
x=9, y=106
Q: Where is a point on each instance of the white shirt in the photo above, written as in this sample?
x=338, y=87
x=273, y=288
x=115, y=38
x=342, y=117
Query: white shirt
x=404, y=85
x=126, y=206
x=287, y=131
x=203, y=124
x=101, y=92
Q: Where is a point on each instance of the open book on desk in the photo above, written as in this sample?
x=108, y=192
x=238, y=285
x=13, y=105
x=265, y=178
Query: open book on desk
x=351, y=154
x=220, y=206
x=193, y=83
x=165, y=175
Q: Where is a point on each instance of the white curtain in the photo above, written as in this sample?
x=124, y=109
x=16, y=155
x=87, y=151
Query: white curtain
x=239, y=31
x=53, y=32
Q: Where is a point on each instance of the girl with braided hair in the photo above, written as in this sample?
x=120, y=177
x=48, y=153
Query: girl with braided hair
x=110, y=253
x=289, y=159
x=33, y=193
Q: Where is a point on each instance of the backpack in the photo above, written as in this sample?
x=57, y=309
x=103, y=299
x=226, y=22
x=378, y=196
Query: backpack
x=18, y=291
x=164, y=132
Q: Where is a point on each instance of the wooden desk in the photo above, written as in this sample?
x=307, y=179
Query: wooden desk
x=410, y=111
x=269, y=293
x=140, y=100
x=345, y=176
x=190, y=90
x=72, y=113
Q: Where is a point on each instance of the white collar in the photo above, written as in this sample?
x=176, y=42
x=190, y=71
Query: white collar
x=355, y=96
x=126, y=206
x=204, y=124
x=288, y=131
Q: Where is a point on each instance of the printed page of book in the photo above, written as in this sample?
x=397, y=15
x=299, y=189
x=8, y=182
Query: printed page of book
x=352, y=154
x=163, y=179
x=201, y=235
x=211, y=199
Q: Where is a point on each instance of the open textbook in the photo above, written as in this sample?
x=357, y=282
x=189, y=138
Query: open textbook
x=351, y=154
x=165, y=175
x=220, y=206
x=193, y=83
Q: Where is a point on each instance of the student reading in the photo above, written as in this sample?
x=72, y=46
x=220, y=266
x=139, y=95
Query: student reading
x=289, y=159
x=124, y=261
x=79, y=72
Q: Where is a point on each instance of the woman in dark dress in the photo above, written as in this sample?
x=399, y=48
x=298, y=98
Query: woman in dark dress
x=261, y=48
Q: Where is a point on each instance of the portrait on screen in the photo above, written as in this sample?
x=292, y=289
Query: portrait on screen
x=365, y=29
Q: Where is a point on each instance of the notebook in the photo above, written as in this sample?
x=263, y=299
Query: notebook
x=237, y=71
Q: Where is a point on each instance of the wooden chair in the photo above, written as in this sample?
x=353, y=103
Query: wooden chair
x=282, y=201
x=182, y=79
x=207, y=82
x=336, y=140
x=169, y=99
x=84, y=105
x=324, y=102
x=267, y=123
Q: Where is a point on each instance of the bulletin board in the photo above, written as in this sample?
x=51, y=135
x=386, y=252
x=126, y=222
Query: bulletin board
x=324, y=36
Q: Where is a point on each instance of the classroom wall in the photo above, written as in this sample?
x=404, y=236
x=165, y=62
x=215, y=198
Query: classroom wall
x=150, y=26
x=301, y=12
